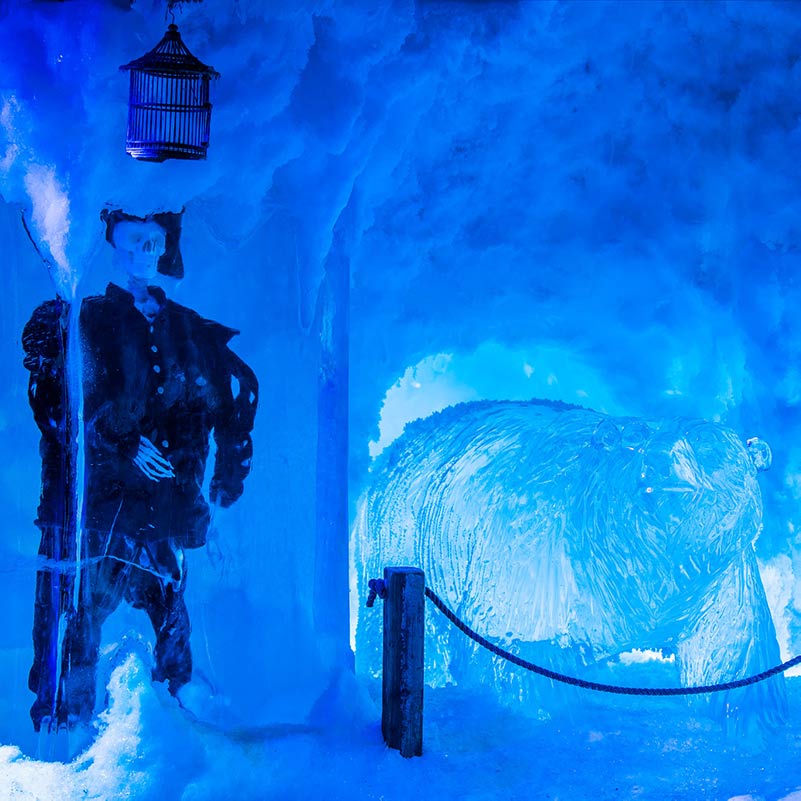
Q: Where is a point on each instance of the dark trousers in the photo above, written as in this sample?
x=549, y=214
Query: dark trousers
x=149, y=576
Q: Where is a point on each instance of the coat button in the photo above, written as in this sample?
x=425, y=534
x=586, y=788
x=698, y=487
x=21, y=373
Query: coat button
x=156, y=368
x=165, y=443
x=160, y=390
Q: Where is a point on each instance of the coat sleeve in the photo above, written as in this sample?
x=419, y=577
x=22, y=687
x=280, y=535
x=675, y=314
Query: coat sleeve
x=233, y=424
x=44, y=342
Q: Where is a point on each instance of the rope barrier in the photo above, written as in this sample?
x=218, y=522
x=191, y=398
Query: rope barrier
x=377, y=589
x=594, y=685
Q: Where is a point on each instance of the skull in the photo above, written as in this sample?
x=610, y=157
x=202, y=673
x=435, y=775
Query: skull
x=138, y=247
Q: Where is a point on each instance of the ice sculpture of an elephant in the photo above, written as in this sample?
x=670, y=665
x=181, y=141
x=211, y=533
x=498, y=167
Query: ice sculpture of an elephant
x=572, y=537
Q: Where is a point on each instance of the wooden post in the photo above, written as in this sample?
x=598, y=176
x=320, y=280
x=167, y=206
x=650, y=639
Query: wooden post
x=404, y=633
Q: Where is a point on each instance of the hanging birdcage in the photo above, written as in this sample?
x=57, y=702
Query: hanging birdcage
x=169, y=113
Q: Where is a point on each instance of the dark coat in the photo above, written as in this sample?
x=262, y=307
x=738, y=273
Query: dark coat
x=173, y=380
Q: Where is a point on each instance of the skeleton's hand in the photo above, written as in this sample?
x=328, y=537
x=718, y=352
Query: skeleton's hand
x=151, y=462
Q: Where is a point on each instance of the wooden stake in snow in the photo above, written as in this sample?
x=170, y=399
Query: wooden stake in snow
x=404, y=615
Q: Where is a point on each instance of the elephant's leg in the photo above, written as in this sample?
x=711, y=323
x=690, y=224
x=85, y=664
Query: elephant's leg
x=731, y=636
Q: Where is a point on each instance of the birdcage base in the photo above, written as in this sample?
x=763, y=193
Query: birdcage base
x=161, y=151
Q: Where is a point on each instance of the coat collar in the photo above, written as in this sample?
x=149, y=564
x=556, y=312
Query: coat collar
x=119, y=295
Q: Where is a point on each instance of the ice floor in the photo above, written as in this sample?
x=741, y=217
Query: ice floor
x=147, y=748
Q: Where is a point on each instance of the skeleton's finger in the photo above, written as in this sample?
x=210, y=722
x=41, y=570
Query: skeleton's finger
x=144, y=467
x=147, y=447
x=146, y=444
x=159, y=461
x=160, y=468
x=149, y=452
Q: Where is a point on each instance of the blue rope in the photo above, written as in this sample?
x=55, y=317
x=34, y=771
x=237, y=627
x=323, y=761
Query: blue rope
x=377, y=588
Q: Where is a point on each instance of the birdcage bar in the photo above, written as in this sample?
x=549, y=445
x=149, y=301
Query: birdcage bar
x=178, y=119
x=176, y=115
x=169, y=110
x=162, y=111
x=166, y=113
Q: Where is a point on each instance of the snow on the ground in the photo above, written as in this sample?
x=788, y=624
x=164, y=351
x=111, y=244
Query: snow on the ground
x=474, y=750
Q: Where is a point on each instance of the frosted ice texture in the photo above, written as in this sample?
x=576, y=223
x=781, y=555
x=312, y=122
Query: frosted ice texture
x=571, y=538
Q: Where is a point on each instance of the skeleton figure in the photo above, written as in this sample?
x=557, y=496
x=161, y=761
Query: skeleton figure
x=158, y=379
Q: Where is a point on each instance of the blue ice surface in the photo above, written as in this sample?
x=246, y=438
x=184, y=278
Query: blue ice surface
x=585, y=202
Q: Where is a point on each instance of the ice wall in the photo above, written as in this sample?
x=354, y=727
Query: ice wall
x=595, y=205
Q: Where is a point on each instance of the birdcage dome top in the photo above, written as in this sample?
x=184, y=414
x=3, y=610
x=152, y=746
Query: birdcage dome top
x=171, y=56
